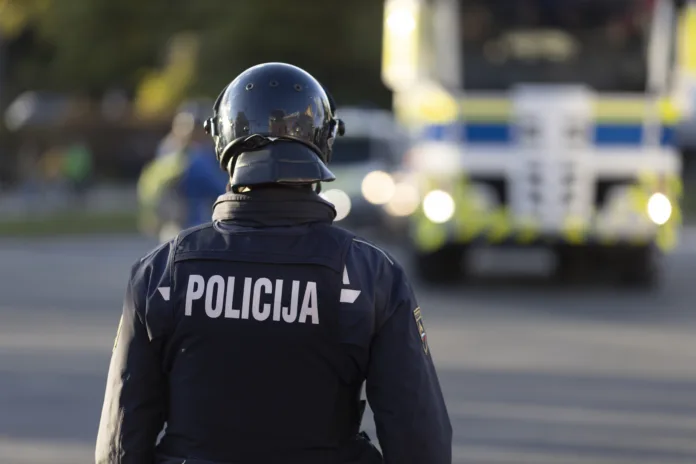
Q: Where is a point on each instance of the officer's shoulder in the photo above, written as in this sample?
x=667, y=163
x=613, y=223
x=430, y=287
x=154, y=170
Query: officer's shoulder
x=160, y=255
x=192, y=232
x=367, y=248
x=150, y=260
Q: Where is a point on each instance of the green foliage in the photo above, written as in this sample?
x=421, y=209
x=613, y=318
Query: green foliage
x=337, y=41
x=16, y=15
x=101, y=44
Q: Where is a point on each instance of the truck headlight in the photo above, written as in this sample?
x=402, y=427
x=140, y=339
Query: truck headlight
x=659, y=208
x=438, y=206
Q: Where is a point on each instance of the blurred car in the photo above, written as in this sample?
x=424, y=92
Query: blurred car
x=366, y=161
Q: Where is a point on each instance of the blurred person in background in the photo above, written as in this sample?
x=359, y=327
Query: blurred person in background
x=177, y=138
x=176, y=190
x=251, y=336
x=29, y=169
x=52, y=164
x=77, y=167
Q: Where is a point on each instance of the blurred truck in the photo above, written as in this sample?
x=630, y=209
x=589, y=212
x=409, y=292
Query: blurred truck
x=686, y=136
x=543, y=123
x=367, y=192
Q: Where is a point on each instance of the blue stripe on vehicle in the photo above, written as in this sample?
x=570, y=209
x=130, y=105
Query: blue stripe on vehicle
x=501, y=133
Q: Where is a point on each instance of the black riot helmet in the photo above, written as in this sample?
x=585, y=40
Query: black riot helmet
x=274, y=123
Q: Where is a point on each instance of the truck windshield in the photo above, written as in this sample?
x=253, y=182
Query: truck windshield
x=599, y=43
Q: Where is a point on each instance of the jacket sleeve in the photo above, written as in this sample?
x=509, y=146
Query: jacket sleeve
x=402, y=387
x=134, y=403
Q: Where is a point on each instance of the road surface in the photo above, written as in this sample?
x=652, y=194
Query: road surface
x=531, y=373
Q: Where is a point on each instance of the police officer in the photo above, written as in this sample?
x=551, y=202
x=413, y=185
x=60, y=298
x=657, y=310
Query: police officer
x=251, y=336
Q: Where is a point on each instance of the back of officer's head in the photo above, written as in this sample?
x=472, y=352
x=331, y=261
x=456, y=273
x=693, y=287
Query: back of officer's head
x=274, y=124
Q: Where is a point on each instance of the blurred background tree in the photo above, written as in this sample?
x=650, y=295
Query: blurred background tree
x=113, y=72
x=89, y=47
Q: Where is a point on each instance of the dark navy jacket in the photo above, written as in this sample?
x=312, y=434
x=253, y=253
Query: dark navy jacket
x=251, y=337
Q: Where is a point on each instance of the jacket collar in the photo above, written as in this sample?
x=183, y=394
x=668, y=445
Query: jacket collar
x=273, y=206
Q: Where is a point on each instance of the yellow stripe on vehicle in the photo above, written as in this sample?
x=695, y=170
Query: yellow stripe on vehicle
x=470, y=221
x=527, y=230
x=686, y=50
x=500, y=226
x=486, y=109
x=429, y=236
x=634, y=110
x=575, y=230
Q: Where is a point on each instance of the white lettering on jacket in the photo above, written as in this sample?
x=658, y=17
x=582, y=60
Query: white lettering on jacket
x=260, y=299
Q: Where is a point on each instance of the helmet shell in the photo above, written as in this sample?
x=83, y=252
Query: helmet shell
x=274, y=124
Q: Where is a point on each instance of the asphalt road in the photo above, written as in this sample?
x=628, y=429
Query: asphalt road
x=531, y=373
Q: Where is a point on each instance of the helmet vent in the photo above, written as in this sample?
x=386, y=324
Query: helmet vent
x=273, y=83
x=298, y=87
x=249, y=86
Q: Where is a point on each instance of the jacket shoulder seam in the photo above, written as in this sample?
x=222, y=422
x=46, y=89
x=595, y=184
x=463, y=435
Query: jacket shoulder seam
x=384, y=253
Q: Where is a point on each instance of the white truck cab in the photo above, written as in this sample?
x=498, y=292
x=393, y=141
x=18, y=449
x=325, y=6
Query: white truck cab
x=543, y=122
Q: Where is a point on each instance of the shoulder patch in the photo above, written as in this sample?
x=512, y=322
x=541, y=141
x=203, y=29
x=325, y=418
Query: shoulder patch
x=421, y=329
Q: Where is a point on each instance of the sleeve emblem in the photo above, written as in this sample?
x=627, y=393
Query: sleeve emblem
x=421, y=329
